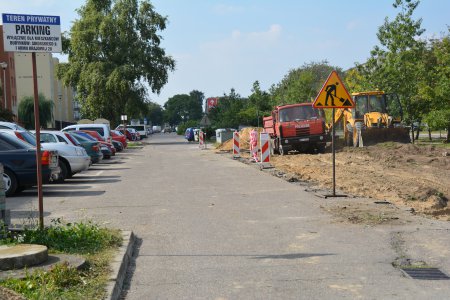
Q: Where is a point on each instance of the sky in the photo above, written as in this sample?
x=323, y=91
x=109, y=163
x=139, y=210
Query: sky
x=223, y=44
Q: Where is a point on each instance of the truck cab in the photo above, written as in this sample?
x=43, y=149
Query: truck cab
x=297, y=127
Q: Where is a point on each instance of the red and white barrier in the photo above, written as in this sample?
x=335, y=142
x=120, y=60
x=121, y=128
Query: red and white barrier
x=201, y=140
x=254, y=145
x=265, y=149
x=236, y=150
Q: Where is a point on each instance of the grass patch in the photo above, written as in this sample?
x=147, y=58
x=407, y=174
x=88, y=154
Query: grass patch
x=96, y=244
x=132, y=145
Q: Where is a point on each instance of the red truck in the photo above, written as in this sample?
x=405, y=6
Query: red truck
x=296, y=127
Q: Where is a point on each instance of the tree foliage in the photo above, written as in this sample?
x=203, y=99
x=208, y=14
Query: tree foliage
x=181, y=108
x=26, y=111
x=114, y=51
x=154, y=113
x=435, y=89
x=6, y=115
x=395, y=64
x=229, y=112
x=302, y=84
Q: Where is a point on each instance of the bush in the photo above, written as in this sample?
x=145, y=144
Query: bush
x=72, y=237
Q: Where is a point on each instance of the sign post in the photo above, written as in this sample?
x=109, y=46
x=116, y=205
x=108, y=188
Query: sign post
x=124, y=119
x=333, y=95
x=33, y=33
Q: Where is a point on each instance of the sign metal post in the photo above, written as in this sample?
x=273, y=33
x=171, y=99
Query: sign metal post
x=33, y=33
x=333, y=95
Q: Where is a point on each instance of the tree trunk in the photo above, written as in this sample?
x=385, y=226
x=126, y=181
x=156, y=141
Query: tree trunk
x=412, y=132
x=418, y=130
x=448, y=134
x=429, y=133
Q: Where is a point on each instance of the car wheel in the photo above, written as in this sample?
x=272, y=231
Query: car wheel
x=10, y=181
x=64, y=172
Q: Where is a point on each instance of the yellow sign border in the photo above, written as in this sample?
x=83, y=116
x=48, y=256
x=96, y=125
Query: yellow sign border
x=322, y=90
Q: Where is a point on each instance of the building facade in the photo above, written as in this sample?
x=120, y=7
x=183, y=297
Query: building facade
x=18, y=73
x=8, y=78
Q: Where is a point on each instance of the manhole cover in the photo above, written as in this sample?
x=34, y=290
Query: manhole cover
x=425, y=273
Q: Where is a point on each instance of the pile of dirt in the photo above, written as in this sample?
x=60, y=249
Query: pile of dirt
x=244, y=139
x=411, y=175
x=416, y=176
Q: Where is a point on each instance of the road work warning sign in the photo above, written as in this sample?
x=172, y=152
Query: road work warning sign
x=333, y=94
x=31, y=33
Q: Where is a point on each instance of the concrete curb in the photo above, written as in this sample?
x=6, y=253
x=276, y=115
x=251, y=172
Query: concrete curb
x=119, y=266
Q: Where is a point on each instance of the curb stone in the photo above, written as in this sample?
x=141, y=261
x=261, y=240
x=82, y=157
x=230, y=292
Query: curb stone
x=119, y=266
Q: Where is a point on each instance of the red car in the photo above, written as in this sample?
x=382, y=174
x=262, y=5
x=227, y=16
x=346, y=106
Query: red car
x=97, y=136
x=118, y=136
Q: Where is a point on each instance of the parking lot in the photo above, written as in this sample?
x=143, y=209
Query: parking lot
x=63, y=200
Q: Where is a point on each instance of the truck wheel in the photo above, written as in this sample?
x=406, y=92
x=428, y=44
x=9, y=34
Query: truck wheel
x=349, y=135
x=321, y=148
x=276, y=150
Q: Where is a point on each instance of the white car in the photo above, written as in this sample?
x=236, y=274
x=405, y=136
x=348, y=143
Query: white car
x=73, y=159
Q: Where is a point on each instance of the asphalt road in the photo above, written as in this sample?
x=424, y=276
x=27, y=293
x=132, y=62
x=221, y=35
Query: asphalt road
x=214, y=228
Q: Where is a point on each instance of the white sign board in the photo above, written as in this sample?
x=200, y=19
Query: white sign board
x=31, y=33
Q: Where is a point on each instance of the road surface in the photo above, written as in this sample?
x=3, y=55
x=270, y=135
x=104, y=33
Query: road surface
x=210, y=227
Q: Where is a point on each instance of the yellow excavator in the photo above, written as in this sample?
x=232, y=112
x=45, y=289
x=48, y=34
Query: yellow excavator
x=376, y=118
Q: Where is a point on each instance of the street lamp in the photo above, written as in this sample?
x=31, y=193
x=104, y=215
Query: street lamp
x=4, y=65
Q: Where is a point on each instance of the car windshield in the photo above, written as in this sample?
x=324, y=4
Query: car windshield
x=28, y=137
x=79, y=137
x=87, y=136
x=296, y=113
x=8, y=142
x=117, y=132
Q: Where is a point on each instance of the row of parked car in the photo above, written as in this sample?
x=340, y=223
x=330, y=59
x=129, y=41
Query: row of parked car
x=63, y=153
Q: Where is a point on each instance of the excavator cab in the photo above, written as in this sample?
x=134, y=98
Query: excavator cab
x=376, y=118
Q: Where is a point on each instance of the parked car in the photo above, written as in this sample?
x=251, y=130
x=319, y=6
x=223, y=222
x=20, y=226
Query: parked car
x=92, y=147
x=73, y=159
x=97, y=136
x=19, y=163
x=142, y=129
x=28, y=137
x=102, y=129
x=189, y=134
x=119, y=136
x=117, y=145
x=106, y=151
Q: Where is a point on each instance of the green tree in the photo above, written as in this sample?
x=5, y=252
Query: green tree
x=302, y=84
x=114, y=51
x=394, y=65
x=154, y=113
x=6, y=115
x=228, y=112
x=435, y=89
x=26, y=111
x=183, y=107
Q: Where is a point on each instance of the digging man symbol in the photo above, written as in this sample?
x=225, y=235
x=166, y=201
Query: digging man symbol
x=330, y=89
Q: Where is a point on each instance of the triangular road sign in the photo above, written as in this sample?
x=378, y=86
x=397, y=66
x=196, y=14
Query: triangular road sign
x=333, y=94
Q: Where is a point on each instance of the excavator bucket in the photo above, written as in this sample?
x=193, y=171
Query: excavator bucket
x=371, y=136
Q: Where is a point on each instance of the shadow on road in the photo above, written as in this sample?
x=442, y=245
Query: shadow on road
x=31, y=193
x=251, y=256
x=131, y=268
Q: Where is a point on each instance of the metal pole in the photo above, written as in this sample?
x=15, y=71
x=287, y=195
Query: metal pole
x=37, y=126
x=4, y=84
x=334, y=155
x=60, y=111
